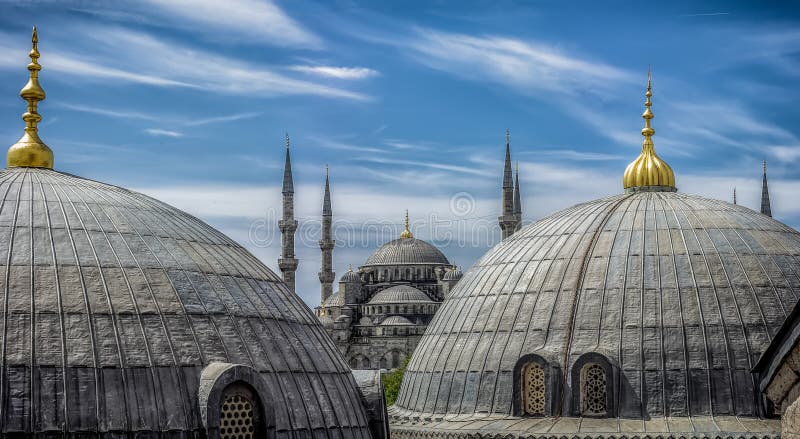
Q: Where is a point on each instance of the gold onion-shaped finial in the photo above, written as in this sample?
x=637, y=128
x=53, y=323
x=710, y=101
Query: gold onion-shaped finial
x=406, y=233
x=648, y=171
x=30, y=151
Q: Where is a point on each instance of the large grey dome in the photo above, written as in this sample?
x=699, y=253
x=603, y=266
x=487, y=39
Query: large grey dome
x=676, y=296
x=116, y=306
x=409, y=251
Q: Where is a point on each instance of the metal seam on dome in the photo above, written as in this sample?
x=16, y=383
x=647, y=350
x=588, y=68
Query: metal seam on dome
x=578, y=287
x=158, y=206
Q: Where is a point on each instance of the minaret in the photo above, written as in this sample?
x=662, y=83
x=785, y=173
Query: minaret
x=326, y=244
x=766, y=209
x=30, y=151
x=507, y=220
x=517, y=200
x=288, y=225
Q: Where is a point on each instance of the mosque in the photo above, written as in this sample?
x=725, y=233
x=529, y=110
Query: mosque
x=647, y=314
x=380, y=311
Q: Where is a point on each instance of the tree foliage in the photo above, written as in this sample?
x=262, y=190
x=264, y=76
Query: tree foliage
x=392, y=380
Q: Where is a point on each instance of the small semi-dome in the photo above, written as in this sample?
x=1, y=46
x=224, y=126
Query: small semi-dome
x=454, y=274
x=350, y=276
x=399, y=294
x=365, y=321
x=396, y=321
x=335, y=299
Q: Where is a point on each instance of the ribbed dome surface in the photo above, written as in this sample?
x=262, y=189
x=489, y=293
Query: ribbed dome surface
x=453, y=275
x=399, y=294
x=407, y=251
x=335, y=299
x=114, y=302
x=680, y=293
x=396, y=321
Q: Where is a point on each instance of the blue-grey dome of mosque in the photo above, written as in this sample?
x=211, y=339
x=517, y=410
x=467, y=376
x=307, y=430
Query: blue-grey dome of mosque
x=396, y=321
x=399, y=294
x=336, y=299
x=406, y=251
x=350, y=276
x=635, y=315
x=453, y=275
x=126, y=317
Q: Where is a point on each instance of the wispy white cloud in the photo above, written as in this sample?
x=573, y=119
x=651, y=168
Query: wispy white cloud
x=173, y=120
x=261, y=20
x=107, y=112
x=163, y=133
x=528, y=66
x=334, y=144
x=219, y=119
x=141, y=58
x=337, y=72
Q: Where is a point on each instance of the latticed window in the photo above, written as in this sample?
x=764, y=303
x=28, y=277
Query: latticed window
x=593, y=390
x=239, y=416
x=533, y=389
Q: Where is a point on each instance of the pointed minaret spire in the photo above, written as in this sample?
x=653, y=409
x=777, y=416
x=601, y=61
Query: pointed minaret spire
x=517, y=200
x=507, y=219
x=288, y=225
x=326, y=244
x=766, y=209
x=734, y=195
x=30, y=151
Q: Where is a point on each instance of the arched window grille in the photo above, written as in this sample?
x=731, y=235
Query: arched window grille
x=533, y=389
x=240, y=414
x=593, y=390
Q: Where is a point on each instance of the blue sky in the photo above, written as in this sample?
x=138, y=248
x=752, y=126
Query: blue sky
x=408, y=104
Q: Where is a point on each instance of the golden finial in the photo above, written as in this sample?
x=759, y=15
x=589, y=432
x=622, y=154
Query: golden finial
x=350, y=268
x=327, y=174
x=734, y=195
x=765, y=166
x=30, y=151
x=508, y=136
x=287, y=140
x=648, y=171
x=406, y=233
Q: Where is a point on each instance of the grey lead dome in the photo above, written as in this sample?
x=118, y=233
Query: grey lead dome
x=404, y=251
x=679, y=294
x=113, y=304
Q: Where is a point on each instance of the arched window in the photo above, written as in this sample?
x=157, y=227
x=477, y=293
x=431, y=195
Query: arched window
x=353, y=363
x=533, y=389
x=240, y=414
x=380, y=310
x=593, y=390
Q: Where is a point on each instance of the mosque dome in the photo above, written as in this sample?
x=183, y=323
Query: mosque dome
x=636, y=315
x=407, y=250
x=454, y=274
x=350, y=276
x=125, y=316
x=399, y=294
x=396, y=321
x=335, y=299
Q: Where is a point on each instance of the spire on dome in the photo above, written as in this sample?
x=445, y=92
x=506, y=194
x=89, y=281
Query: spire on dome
x=734, y=195
x=766, y=208
x=30, y=150
x=406, y=233
x=648, y=171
